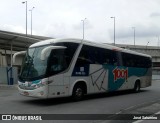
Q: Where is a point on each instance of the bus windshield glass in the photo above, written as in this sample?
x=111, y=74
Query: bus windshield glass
x=56, y=61
x=33, y=66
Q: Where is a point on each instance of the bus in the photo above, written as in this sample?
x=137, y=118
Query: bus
x=76, y=67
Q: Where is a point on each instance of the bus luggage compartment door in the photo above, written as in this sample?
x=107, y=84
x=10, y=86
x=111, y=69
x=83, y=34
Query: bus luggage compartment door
x=99, y=78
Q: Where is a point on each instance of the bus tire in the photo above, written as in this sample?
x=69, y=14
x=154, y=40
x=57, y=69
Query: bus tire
x=137, y=86
x=78, y=92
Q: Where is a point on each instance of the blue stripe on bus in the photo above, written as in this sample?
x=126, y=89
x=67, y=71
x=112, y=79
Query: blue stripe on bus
x=113, y=84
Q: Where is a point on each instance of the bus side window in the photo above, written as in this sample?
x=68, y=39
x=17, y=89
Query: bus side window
x=57, y=61
x=94, y=55
x=83, y=58
x=113, y=58
x=106, y=56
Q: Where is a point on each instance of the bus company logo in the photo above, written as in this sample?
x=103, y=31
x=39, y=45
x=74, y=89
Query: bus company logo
x=120, y=73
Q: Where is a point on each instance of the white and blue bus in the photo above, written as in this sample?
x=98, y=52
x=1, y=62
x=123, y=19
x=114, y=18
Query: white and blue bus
x=76, y=67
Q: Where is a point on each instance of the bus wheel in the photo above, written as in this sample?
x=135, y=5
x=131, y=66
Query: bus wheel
x=137, y=87
x=78, y=92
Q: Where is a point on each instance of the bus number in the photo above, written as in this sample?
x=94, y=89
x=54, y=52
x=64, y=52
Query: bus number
x=120, y=74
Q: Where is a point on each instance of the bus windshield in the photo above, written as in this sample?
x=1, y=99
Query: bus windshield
x=56, y=61
x=33, y=66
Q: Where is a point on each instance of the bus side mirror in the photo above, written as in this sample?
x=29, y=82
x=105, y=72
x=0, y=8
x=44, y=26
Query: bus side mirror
x=16, y=54
x=49, y=48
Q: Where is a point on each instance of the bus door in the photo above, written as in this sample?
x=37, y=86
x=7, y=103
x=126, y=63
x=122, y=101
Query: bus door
x=57, y=66
x=58, y=86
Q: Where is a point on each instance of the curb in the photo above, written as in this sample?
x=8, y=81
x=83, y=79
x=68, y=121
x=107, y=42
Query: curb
x=4, y=86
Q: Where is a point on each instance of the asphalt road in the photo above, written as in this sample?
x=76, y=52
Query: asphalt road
x=113, y=103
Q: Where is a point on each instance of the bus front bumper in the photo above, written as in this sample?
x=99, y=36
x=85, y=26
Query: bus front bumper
x=41, y=92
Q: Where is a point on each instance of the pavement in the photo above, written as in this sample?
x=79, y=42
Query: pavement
x=152, y=108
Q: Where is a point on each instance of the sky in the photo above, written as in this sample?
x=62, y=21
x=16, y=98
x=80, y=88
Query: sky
x=63, y=19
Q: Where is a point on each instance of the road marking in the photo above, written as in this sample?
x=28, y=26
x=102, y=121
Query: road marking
x=119, y=112
x=158, y=112
x=132, y=107
x=138, y=121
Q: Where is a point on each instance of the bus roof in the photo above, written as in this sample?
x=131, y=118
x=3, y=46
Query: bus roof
x=90, y=43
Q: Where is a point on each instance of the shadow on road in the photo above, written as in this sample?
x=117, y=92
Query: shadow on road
x=64, y=100
x=112, y=94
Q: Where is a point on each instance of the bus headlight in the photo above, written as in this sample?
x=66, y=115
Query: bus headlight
x=38, y=85
x=44, y=83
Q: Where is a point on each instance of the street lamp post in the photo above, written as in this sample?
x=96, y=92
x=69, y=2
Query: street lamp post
x=83, y=26
x=25, y=2
x=114, y=31
x=31, y=18
x=134, y=34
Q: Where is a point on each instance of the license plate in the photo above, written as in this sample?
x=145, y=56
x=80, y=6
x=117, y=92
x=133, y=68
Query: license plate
x=26, y=93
